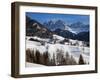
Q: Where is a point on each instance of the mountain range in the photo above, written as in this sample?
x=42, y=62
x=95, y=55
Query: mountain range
x=77, y=30
x=74, y=27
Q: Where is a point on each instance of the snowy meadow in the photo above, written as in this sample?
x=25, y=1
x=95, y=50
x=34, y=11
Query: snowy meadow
x=56, y=51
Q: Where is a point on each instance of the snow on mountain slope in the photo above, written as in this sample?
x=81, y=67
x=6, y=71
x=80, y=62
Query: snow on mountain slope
x=79, y=27
x=69, y=29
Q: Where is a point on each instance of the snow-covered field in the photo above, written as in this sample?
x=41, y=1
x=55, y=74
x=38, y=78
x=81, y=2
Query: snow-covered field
x=28, y=64
x=74, y=50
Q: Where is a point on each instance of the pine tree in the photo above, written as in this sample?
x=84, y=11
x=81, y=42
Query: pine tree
x=28, y=56
x=67, y=59
x=73, y=62
x=45, y=58
x=33, y=56
x=37, y=56
x=81, y=60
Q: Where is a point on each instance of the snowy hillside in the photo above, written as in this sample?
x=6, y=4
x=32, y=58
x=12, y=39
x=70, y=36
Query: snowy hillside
x=55, y=47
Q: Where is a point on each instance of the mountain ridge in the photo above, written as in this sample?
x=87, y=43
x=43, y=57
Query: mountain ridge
x=60, y=24
x=34, y=28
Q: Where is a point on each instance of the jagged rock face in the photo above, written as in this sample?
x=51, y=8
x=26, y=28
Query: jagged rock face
x=54, y=25
x=34, y=28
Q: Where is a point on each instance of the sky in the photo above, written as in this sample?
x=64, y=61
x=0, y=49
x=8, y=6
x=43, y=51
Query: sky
x=67, y=18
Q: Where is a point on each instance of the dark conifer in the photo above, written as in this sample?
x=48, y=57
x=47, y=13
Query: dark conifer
x=81, y=60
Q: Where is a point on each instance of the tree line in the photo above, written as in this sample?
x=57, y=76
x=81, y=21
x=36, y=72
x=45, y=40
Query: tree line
x=57, y=59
